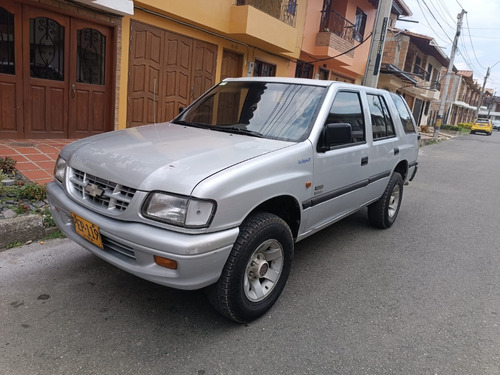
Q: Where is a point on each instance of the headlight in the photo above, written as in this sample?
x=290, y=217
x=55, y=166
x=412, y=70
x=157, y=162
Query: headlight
x=60, y=169
x=179, y=210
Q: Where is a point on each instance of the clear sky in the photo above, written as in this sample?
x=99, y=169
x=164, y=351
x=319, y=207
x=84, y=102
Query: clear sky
x=479, y=42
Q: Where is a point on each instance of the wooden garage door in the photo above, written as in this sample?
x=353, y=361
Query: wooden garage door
x=167, y=72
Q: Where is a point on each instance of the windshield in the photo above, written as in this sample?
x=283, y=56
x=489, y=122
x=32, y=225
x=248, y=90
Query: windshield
x=272, y=110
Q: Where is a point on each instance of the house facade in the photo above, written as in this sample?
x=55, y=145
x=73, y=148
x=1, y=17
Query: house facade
x=463, y=96
x=336, y=38
x=173, y=52
x=71, y=69
x=491, y=107
x=411, y=66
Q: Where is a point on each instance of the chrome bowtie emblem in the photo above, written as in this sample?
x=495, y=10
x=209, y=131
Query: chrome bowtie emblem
x=93, y=190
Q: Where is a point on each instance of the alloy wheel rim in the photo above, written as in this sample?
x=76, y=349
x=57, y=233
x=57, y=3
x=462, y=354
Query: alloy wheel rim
x=263, y=270
x=394, y=201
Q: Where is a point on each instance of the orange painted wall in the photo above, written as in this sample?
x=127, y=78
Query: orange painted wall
x=352, y=67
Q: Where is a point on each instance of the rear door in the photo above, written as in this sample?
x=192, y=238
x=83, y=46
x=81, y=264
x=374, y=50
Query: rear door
x=384, y=152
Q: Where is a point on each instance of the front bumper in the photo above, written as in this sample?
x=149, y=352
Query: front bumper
x=132, y=246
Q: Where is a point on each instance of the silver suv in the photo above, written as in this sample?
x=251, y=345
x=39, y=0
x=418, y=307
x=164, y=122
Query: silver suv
x=217, y=197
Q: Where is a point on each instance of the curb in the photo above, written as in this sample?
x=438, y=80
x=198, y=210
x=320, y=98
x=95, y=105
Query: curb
x=22, y=229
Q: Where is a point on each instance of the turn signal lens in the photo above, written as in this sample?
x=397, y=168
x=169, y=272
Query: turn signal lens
x=165, y=262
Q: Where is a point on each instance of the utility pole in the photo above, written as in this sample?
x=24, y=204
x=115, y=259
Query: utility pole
x=491, y=101
x=377, y=43
x=482, y=92
x=444, y=93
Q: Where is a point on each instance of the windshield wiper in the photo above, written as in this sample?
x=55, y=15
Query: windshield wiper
x=238, y=131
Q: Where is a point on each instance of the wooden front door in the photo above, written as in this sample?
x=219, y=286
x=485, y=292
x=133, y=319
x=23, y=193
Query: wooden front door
x=90, y=103
x=45, y=68
x=11, y=94
x=232, y=65
x=167, y=72
x=59, y=84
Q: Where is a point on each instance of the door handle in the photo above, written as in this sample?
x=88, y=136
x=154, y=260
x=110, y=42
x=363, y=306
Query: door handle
x=364, y=160
x=73, y=90
x=396, y=151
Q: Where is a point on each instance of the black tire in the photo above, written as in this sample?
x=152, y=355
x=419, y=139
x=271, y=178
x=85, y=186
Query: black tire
x=383, y=213
x=472, y=132
x=256, y=271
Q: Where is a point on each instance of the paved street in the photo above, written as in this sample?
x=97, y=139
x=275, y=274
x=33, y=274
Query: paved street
x=420, y=298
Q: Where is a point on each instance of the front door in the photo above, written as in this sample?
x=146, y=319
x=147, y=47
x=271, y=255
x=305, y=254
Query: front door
x=11, y=99
x=59, y=75
x=90, y=80
x=340, y=173
x=46, y=75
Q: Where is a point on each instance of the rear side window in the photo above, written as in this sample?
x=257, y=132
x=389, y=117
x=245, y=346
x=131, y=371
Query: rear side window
x=404, y=114
x=382, y=126
x=346, y=108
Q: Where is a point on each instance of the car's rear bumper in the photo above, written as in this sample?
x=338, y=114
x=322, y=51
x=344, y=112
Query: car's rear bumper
x=482, y=130
x=132, y=246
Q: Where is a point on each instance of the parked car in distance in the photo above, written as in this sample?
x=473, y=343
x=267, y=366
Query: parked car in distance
x=482, y=125
x=496, y=124
x=218, y=197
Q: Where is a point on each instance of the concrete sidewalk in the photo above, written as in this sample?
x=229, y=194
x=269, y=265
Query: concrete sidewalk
x=428, y=137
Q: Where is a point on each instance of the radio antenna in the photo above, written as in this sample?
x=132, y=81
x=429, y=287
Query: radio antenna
x=154, y=102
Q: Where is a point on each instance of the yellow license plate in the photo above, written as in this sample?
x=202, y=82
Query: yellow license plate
x=87, y=230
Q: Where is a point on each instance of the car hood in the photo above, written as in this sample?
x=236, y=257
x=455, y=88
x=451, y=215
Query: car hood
x=166, y=156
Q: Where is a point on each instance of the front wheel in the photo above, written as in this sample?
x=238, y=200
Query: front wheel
x=383, y=213
x=256, y=271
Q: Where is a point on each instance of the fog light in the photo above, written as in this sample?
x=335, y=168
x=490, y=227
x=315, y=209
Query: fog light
x=167, y=263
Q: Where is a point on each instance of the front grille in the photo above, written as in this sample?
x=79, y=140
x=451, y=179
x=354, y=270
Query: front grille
x=101, y=193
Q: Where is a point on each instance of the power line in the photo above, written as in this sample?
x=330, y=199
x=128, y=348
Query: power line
x=438, y=23
x=442, y=12
x=471, y=44
x=429, y=24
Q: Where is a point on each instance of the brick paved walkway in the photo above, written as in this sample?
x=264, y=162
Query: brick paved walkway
x=35, y=157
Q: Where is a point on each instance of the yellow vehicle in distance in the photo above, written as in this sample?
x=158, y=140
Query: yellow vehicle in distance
x=482, y=125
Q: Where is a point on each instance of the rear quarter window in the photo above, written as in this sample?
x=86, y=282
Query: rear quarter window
x=404, y=114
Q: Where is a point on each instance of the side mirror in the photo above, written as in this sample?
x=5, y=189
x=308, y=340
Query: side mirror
x=335, y=135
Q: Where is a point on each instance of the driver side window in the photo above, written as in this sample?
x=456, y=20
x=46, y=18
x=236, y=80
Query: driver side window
x=346, y=108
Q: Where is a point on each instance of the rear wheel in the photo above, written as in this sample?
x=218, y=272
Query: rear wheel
x=256, y=271
x=383, y=213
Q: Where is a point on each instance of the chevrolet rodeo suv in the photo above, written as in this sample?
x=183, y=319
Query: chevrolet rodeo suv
x=217, y=197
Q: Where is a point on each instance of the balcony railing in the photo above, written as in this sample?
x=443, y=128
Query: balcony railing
x=333, y=22
x=283, y=10
x=435, y=85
